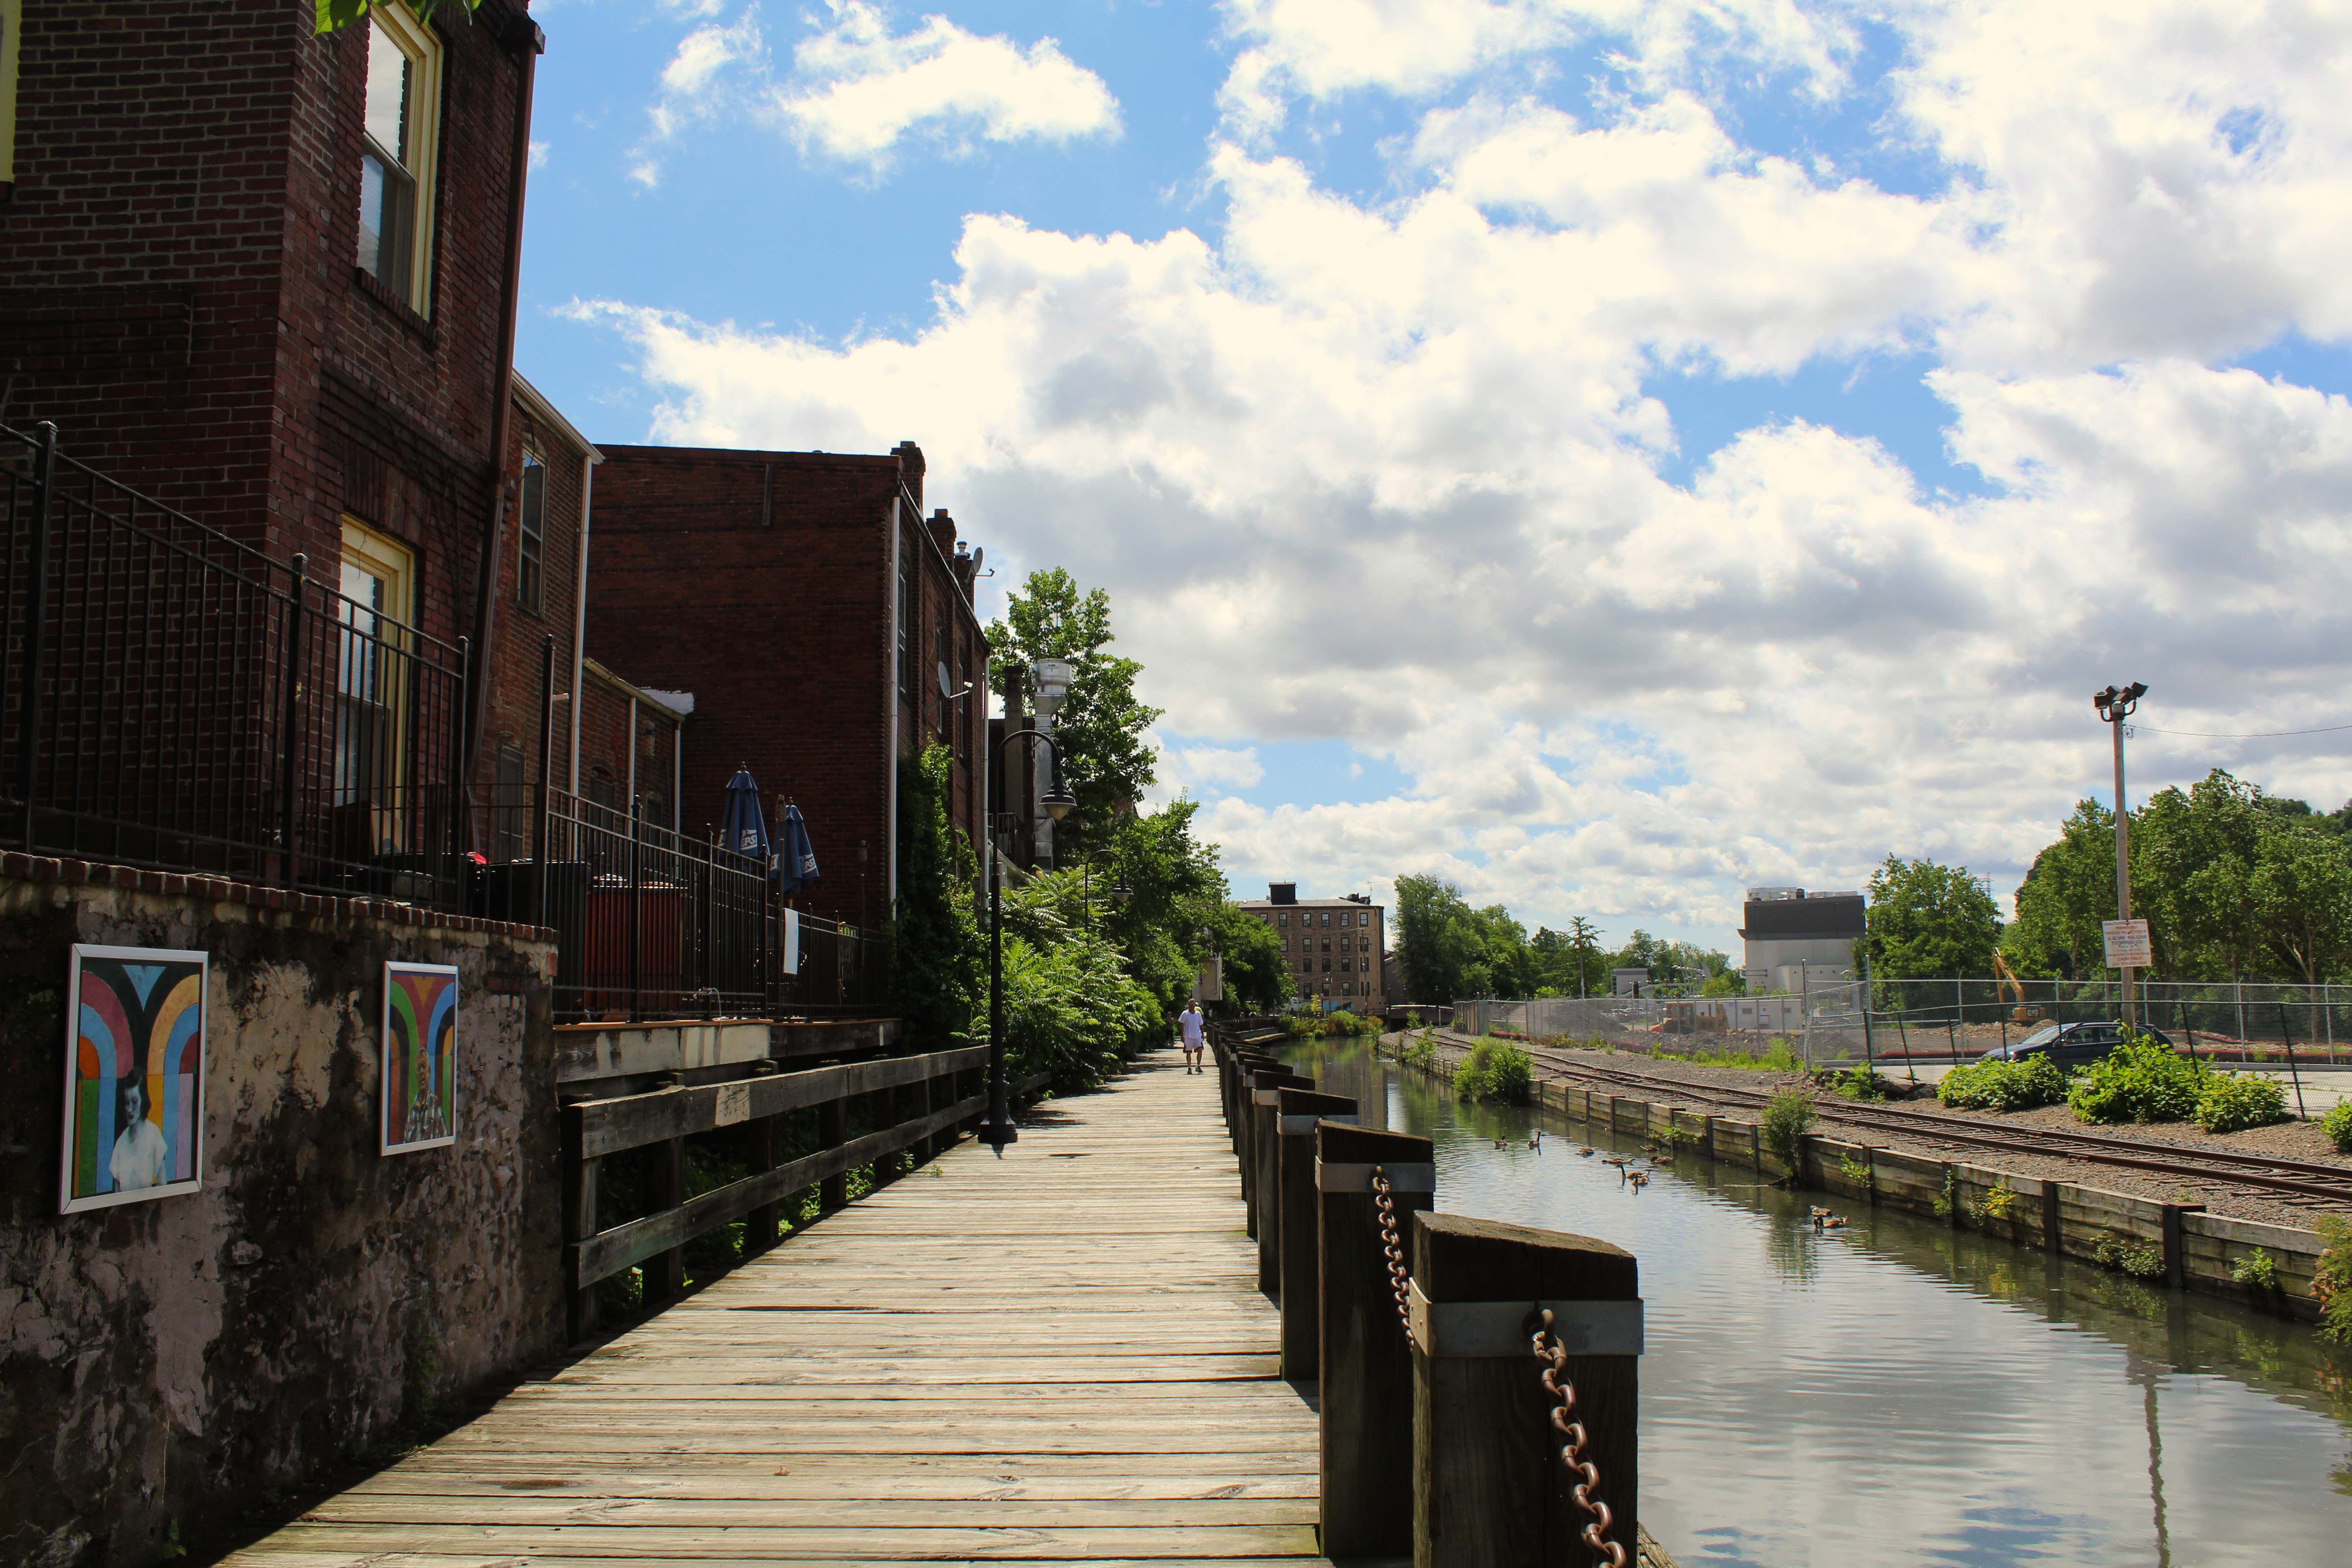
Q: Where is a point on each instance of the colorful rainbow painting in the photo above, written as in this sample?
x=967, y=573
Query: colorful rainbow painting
x=134, y=1125
x=420, y=1056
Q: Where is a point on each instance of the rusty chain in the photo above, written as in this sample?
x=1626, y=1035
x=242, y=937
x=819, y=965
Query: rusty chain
x=1554, y=1355
x=1393, y=1250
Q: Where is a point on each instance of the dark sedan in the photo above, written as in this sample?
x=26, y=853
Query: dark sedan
x=2071, y=1045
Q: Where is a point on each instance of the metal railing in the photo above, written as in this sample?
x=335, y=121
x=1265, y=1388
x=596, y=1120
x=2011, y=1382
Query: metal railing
x=655, y=923
x=178, y=699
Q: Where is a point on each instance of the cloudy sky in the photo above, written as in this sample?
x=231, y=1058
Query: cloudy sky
x=1606, y=453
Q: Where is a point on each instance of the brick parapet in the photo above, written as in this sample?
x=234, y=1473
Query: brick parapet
x=46, y=869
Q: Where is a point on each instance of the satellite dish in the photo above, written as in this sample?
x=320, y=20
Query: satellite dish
x=945, y=687
x=978, y=555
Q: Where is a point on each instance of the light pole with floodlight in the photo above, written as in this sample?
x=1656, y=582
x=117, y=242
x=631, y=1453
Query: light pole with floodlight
x=2116, y=704
x=1053, y=676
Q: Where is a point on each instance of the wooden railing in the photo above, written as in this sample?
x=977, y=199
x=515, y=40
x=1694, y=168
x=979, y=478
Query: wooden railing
x=915, y=1102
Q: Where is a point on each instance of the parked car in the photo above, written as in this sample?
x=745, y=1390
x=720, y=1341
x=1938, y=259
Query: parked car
x=2071, y=1045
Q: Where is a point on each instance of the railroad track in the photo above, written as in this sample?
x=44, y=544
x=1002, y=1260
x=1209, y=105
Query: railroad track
x=2298, y=1181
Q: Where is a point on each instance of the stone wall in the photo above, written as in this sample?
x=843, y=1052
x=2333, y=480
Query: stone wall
x=170, y=1364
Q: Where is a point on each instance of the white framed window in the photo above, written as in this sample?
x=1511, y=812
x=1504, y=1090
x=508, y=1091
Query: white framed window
x=378, y=587
x=401, y=149
x=531, y=517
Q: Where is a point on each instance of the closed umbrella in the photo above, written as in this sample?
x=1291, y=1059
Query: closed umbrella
x=796, y=862
x=743, y=829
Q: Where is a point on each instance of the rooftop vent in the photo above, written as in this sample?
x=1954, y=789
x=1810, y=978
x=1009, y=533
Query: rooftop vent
x=1283, y=892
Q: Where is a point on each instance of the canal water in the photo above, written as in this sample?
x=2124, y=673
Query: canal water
x=1897, y=1392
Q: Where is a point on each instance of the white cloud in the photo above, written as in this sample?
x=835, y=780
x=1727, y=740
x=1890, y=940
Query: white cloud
x=1387, y=473
x=1206, y=770
x=857, y=89
x=700, y=83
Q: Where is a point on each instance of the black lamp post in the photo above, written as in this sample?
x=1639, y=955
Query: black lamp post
x=2116, y=704
x=998, y=1131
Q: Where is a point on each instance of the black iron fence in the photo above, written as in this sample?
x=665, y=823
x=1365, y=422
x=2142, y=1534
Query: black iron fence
x=175, y=698
x=658, y=925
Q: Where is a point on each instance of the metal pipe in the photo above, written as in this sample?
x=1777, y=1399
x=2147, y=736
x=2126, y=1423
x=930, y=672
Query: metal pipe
x=580, y=614
x=2123, y=860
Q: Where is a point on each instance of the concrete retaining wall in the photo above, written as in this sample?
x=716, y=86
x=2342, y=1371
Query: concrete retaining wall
x=170, y=1362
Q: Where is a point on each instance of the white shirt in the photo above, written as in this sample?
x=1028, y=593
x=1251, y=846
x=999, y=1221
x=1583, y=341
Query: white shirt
x=1191, y=1024
x=139, y=1157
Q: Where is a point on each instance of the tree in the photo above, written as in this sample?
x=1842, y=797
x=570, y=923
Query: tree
x=332, y=15
x=2070, y=888
x=1099, y=730
x=1257, y=972
x=1927, y=920
x=2302, y=895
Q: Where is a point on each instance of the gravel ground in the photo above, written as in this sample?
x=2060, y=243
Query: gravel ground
x=2299, y=1140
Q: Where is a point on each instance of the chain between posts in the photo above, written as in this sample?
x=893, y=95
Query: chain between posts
x=1549, y=1350
x=1393, y=1250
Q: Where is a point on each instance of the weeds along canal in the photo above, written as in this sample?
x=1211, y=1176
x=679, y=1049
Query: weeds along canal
x=1899, y=1393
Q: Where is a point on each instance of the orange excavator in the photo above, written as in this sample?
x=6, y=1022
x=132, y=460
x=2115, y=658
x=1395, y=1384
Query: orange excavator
x=2006, y=980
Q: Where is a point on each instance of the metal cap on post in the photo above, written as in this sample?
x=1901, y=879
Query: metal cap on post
x=1298, y=1112
x=1365, y=1408
x=1490, y=1487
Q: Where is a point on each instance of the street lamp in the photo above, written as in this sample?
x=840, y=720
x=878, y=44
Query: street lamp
x=2116, y=704
x=998, y=1131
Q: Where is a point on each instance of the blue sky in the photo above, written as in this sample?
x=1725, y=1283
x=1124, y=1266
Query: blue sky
x=1607, y=454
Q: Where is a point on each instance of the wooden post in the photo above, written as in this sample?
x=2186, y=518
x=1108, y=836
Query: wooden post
x=832, y=1132
x=1265, y=1206
x=1366, y=1395
x=1297, y=1111
x=579, y=1221
x=664, y=1272
x=1489, y=1489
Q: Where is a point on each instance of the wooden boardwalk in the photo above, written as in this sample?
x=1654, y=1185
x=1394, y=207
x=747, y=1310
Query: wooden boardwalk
x=1058, y=1357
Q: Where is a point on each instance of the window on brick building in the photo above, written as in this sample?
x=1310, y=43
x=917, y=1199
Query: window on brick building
x=399, y=154
x=377, y=600
x=508, y=838
x=531, y=526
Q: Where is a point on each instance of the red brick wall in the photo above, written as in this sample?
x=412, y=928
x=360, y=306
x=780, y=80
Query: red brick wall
x=515, y=713
x=762, y=583
x=178, y=292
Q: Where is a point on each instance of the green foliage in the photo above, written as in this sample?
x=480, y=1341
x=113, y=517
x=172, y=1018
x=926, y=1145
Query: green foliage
x=2338, y=1125
x=1999, y=1202
x=1996, y=1085
x=1930, y=920
x=332, y=15
x=1856, y=1171
x=1730, y=983
x=1071, y=1009
x=1787, y=1119
x=1861, y=1081
x=1420, y=1050
x=1944, y=1199
x=2258, y=1270
x=1449, y=950
x=1311, y=1025
x=2140, y=1259
x=1257, y=975
x=2231, y=1103
x=1099, y=730
x=936, y=952
x=2140, y=1081
x=1678, y=963
x=1495, y=1069
x=1777, y=1056
x=2331, y=1281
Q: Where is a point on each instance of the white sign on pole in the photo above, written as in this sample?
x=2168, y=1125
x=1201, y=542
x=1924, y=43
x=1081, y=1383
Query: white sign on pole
x=2127, y=944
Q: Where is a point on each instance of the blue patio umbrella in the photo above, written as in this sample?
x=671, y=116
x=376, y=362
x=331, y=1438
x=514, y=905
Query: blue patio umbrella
x=796, y=862
x=743, y=829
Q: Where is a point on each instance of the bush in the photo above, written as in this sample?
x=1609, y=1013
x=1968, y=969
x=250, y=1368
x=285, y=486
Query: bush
x=2139, y=1080
x=2258, y=1270
x=1786, y=1122
x=1495, y=1071
x=2338, y=1125
x=2230, y=1103
x=1998, y=1085
x=2140, y=1259
x=2332, y=1280
x=1861, y=1081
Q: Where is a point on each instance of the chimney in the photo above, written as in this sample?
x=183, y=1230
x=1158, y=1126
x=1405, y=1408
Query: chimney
x=910, y=471
x=1283, y=892
x=943, y=531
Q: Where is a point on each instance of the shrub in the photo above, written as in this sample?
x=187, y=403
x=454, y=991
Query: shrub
x=2229, y=1103
x=2331, y=1281
x=1495, y=1071
x=1787, y=1119
x=1856, y=1171
x=2140, y=1081
x=2140, y=1259
x=1998, y=1202
x=2338, y=1125
x=2258, y=1270
x=1861, y=1081
x=1998, y=1085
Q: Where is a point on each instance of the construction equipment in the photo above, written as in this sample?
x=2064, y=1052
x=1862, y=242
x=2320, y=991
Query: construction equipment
x=2005, y=979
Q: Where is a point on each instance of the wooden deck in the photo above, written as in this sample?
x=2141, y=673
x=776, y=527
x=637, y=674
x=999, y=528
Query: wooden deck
x=1058, y=1357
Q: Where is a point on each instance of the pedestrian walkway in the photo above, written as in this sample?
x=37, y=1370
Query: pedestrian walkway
x=1061, y=1356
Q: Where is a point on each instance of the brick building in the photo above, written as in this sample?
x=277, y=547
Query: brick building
x=631, y=747
x=268, y=278
x=813, y=612
x=1333, y=946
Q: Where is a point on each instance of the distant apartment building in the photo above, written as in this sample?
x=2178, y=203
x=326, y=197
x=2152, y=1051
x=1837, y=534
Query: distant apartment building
x=1796, y=939
x=1333, y=947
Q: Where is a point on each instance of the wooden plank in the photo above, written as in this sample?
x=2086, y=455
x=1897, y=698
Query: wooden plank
x=1022, y=1358
x=632, y=1120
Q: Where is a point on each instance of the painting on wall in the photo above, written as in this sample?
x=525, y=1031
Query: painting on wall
x=134, y=1075
x=420, y=1056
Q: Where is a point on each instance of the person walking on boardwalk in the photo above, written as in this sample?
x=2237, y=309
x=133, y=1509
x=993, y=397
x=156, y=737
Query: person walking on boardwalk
x=1188, y=1024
